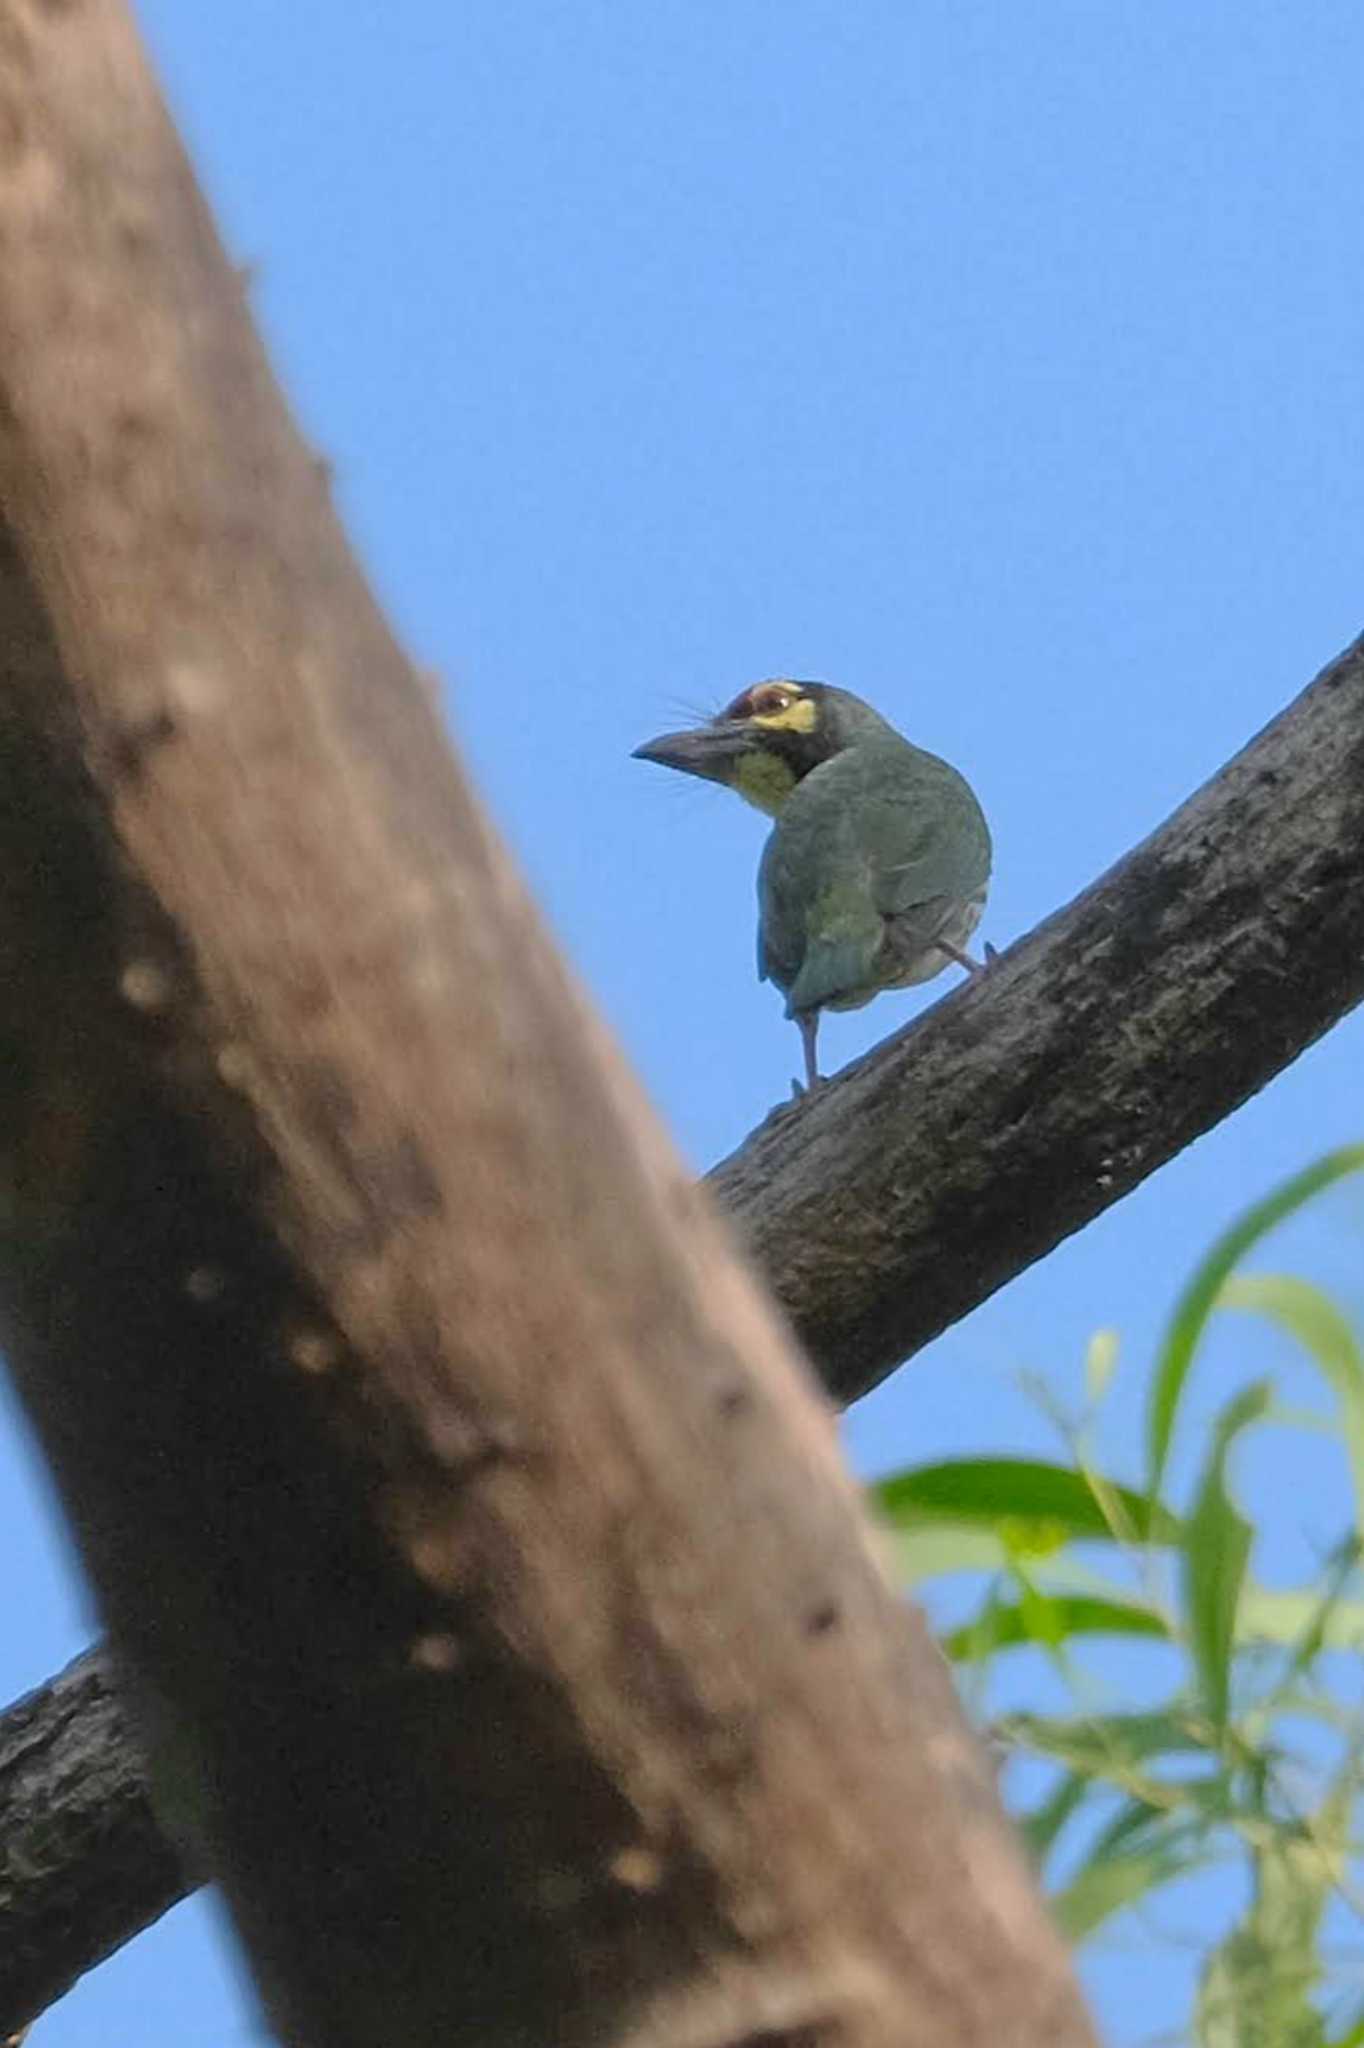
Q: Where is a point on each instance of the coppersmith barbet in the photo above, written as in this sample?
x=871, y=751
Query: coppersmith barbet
x=875, y=872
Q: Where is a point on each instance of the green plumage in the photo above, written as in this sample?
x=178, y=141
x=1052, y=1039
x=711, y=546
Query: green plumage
x=875, y=855
x=876, y=869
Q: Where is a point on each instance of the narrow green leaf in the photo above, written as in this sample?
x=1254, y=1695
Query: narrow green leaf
x=1250, y=1997
x=1137, y=1825
x=1115, y=1749
x=1041, y=1827
x=1045, y=1503
x=1271, y=1617
x=1314, y=1321
x=983, y=1633
x=1040, y=1613
x=1256, y=1988
x=1286, y=1618
x=1339, y=1569
x=1196, y=1303
x=1011, y=1624
x=1101, y=1362
x=1104, y=1887
x=938, y=1550
x=1216, y=1551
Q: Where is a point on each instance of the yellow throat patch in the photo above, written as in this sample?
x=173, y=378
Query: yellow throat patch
x=764, y=780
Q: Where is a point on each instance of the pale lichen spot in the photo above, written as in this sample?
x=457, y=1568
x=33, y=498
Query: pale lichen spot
x=429, y=1556
x=439, y=1651
x=193, y=688
x=637, y=1868
x=234, y=1065
x=205, y=1283
x=313, y=1350
x=146, y=986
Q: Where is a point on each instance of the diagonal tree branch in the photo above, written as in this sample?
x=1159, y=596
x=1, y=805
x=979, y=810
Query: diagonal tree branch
x=941, y=1164
x=1222, y=946
x=477, y=1548
x=82, y=1861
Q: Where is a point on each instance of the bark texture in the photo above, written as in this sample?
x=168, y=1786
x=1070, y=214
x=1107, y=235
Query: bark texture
x=80, y=1854
x=482, y=1555
x=876, y=1226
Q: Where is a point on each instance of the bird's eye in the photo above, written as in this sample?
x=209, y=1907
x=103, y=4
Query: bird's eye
x=765, y=700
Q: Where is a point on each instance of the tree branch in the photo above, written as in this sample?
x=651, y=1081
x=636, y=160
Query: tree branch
x=940, y=1165
x=475, y=1543
x=934, y=1169
x=82, y=1862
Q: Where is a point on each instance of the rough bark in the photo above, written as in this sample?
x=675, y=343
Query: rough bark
x=80, y=1854
x=924, y=1176
x=1021, y=1106
x=876, y=1225
x=477, y=1543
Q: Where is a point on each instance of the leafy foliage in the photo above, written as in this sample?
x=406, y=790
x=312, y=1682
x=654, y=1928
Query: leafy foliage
x=1248, y=1756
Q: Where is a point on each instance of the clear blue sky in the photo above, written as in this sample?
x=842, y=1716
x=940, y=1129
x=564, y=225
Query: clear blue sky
x=999, y=362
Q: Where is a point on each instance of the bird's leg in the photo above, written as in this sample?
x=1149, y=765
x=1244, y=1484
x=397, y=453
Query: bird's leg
x=975, y=968
x=807, y=1023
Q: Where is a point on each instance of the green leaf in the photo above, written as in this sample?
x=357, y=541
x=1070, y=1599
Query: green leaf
x=1287, y=1618
x=1116, y=1749
x=1042, y=1504
x=1313, y=1638
x=1041, y=1827
x=1109, y=1883
x=937, y=1551
x=1256, y=1988
x=1216, y=1551
x=1196, y=1303
x=1011, y=1623
x=1101, y=1362
x=1313, y=1320
x=1139, y=1825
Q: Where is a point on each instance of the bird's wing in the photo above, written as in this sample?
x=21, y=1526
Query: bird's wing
x=925, y=836
x=878, y=833
x=819, y=927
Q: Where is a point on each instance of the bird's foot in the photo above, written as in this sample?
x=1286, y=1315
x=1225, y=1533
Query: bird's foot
x=975, y=968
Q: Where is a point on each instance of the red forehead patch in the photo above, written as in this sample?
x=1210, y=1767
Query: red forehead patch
x=761, y=701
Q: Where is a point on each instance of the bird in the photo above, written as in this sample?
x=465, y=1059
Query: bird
x=875, y=873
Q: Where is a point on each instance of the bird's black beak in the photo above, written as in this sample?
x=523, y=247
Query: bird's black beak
x=708, y=750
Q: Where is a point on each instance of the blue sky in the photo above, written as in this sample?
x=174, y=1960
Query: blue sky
x=999, y=362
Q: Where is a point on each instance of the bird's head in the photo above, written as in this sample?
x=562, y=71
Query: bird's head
x=768, y=739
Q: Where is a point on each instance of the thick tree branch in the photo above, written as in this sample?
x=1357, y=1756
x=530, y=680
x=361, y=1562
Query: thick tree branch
x=1209, y=1013
x=478, y=1547
x=81, y=1858
x=932, y=1171
x=928, y=1173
